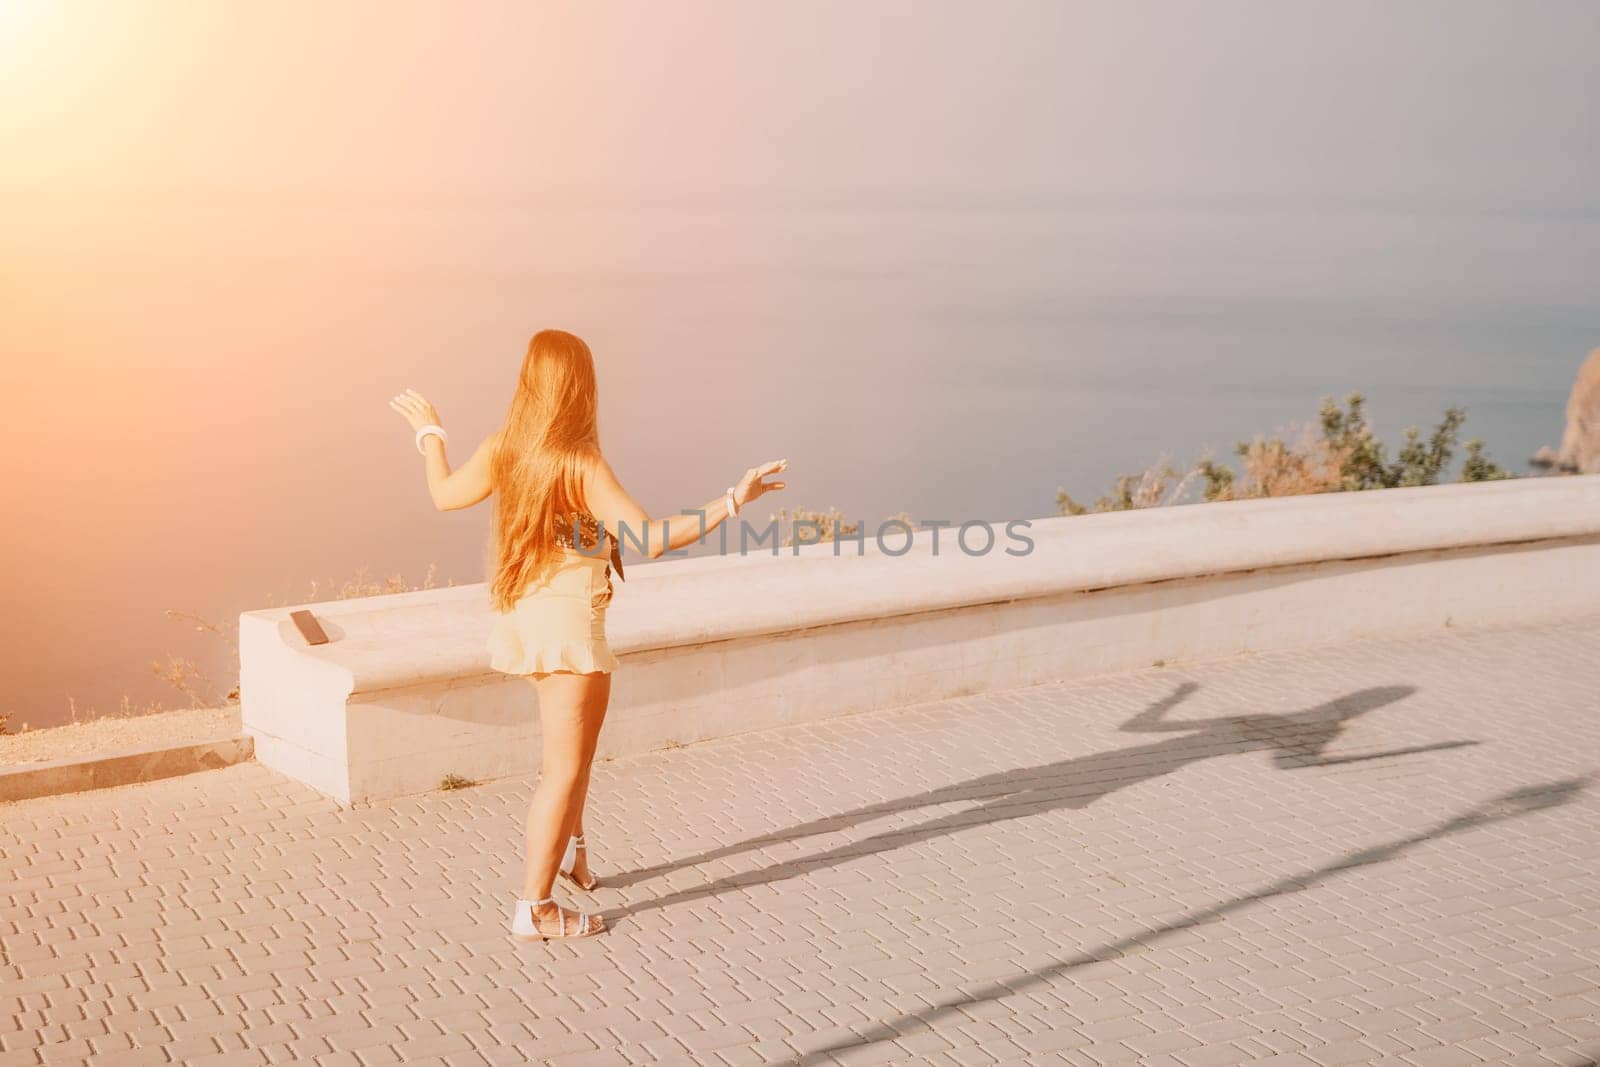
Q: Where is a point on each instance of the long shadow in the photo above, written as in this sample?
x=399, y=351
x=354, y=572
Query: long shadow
x=1296, y=740
x=1509, y=805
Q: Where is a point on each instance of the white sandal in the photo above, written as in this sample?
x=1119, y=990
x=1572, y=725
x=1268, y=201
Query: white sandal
x=524, y=927
x=569, y=858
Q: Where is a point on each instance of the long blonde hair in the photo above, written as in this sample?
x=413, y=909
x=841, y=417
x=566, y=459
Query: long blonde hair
x=550, y=438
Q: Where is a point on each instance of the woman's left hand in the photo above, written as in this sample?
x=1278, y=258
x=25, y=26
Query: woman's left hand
x=417, y=411
x=751, y=486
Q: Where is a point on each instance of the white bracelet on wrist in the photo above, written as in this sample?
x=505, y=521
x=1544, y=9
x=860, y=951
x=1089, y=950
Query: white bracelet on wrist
x=431, y=428
x=733, y=504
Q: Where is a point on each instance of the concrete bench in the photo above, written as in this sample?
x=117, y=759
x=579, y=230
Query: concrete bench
x=402, y=695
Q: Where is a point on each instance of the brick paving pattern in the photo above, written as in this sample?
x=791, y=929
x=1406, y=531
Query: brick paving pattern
x=1377, y=852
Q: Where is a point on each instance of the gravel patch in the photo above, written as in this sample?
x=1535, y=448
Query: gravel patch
x=97, y=737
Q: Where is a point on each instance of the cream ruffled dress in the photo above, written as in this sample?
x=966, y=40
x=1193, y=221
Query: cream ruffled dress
x=559, y=624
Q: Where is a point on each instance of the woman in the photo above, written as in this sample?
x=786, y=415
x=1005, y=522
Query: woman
x=556, y=498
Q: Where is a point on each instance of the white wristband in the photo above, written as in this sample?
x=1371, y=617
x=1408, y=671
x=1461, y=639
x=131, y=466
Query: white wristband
x=733, y=504
x=432, y=428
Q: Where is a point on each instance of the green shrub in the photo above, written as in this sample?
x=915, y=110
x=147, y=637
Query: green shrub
x=1480, y=468
x=1340, y=454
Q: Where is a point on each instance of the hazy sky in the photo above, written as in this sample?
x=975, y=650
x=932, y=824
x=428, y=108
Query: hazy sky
x=229, y=231
x=1447, y=100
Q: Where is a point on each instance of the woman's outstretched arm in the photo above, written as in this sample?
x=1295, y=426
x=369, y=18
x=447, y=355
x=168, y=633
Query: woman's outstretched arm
x=609, y=502
x=450, y=490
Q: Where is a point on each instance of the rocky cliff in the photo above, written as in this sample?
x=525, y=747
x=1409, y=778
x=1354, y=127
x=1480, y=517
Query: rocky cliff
x=1580, y=445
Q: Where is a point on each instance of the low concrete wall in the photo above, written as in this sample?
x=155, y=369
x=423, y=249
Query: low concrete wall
x=403, y=695
x=104, y=770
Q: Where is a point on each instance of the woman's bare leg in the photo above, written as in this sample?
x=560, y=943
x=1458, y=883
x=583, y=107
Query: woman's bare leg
x=580, y=864
x=592, y=725
x=571, y=710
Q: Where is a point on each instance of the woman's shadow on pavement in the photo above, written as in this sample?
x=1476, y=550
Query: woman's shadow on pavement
x=1295, y=740
x=1512, y=804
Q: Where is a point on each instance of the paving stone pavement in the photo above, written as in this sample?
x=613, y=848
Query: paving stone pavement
x=1377, y=852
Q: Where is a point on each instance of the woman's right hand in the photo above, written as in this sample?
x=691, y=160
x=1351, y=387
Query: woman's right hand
x=751, y=486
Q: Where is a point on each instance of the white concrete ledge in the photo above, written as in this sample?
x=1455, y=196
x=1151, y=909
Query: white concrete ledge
x=718, y=644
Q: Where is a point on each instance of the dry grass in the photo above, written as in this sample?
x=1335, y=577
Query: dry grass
x=1158, y=485
x=1271, y=466
x=126, y=709
x=187, y=678
x=360, y=585
x=824, y=525
x=196, y=687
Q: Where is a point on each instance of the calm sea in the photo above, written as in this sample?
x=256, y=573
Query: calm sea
x=952, y=360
